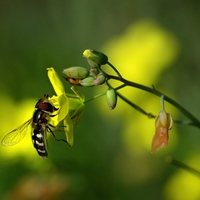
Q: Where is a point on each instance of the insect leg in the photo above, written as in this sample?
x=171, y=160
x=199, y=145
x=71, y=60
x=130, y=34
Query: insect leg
x=58, y=139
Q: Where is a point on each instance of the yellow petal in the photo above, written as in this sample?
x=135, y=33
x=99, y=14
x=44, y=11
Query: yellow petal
x=55, y=81
x=61, y=102
x=68, y=128
x=64, y=107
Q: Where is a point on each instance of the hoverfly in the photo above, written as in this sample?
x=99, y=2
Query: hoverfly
x=39, y=124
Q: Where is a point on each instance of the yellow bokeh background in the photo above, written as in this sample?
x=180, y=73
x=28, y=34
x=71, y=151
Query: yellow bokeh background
x=141, y=54
x=184, y=185
x=15, y=114
x=155, y=44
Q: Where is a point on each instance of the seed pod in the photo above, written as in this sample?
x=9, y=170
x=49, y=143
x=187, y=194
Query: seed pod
x=111, y=98
x=95, y=58
x=76, y=72
x=88, y=82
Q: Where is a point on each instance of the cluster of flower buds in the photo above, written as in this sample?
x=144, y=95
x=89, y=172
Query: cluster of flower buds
x=81, y=76
x=94, y=76
x=163, y=124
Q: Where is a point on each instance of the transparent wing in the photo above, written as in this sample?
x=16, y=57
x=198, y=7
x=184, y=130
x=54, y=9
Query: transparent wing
x=16, y=135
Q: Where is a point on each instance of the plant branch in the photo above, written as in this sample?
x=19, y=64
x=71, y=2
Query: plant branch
x=154, y=91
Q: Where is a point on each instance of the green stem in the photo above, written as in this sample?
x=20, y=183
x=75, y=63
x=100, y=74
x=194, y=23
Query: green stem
x=135, y=106
x=95, y=97
x=195, y=121
x=179, y=164
x=162, y=102
x=116, y=71
x=104, y=93
x=150, y=115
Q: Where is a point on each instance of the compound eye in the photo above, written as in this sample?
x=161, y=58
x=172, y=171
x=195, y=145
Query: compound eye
x=45, y=106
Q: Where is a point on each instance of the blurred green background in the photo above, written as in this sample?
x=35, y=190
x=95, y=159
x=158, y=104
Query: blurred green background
x=111, y=156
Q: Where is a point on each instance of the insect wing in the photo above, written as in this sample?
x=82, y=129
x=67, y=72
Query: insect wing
x=16, y=135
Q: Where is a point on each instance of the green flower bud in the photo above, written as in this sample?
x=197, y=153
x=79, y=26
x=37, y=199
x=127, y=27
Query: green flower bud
x=111, y=98
x=76, y=72
x=88, y=82
x=94, y=71
x=95, y=58
x=100, y=79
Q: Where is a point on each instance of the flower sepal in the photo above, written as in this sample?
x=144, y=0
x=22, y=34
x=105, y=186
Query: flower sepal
x=78, y=113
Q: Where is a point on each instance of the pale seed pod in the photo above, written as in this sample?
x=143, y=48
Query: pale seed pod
x=111, y=97
x=76, y=72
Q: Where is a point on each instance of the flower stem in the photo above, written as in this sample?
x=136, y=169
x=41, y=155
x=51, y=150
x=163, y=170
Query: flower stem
x=179, y=164
x=150, y=115
x=135, y=106
x=152, y=90
x=95, y=97
x=162, y=102
x=116, y=71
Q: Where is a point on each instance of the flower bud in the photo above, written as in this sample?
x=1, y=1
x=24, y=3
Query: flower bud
x=89, y=81
x=100, y=79
x=95, y=58
x=163, y=123
x=111, y=98
x=76, y=72
x=94, y=71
